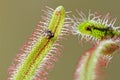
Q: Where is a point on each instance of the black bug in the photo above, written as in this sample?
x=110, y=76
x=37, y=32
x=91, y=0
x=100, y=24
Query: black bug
x=48, y=34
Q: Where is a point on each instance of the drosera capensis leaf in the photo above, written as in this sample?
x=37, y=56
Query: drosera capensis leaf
x=92, y=61
x=94, y=27
x=39, y=53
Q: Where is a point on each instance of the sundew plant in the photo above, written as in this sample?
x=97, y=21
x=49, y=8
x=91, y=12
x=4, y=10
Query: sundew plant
x=38, y=54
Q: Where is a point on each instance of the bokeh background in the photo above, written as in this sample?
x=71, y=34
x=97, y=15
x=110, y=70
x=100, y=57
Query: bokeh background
x=19, y=17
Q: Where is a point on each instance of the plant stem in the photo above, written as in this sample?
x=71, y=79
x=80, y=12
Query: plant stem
x=91, y=62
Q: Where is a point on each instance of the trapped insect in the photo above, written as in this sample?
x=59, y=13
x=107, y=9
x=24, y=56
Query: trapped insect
x=48, y=34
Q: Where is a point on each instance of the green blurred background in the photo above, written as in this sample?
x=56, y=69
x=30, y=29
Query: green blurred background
x=19, y=17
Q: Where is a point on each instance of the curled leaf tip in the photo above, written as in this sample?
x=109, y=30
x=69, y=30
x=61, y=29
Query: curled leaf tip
x=94, y=27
